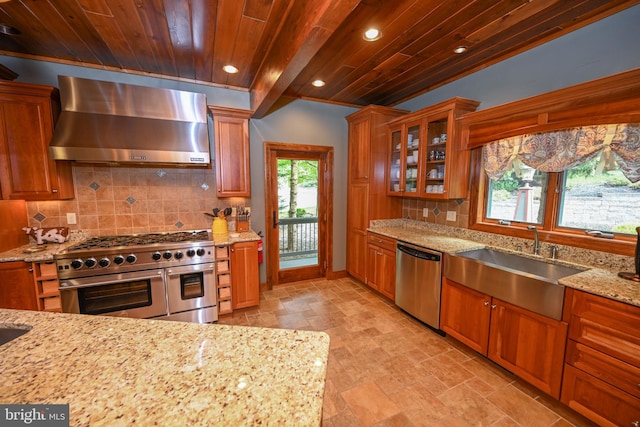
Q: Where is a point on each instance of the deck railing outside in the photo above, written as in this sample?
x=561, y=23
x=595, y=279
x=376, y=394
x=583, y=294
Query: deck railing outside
x=298, y=237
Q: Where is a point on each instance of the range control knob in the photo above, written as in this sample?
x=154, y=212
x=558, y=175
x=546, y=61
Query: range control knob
x=131, y=258
x=200, y=252
x=76, y=264
x=90, y=263
x=156, y=256
x=119, y=259
x=191, y=253
x=167, y=255
x=104, y=262
x=178, y=255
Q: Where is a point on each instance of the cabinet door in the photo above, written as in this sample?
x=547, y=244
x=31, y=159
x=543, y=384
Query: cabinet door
x=395, y=176
x=528, y=344
x=465, y=314
x=231, y=133
x=17, y=288
x=245, y=281
x=357, y=254
x=26, y=170
x=387, y=278
x=359, y=150
x=599, y=401
x=374, y=266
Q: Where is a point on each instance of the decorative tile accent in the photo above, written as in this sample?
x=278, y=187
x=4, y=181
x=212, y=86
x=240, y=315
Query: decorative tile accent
x=131, y=200
x=204, y=186
x=39, y=217
x=179, y=224
x=459, y=201
x=94, y=185
x=161, y=173
x=436, y=211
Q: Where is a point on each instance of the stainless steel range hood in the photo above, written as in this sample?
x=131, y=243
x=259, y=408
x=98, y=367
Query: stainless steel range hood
x=121, y=123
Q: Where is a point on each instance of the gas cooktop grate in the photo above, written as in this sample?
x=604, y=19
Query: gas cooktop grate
x=140, y=240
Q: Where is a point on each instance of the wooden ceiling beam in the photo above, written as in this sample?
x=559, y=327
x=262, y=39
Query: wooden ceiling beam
x=307, y=28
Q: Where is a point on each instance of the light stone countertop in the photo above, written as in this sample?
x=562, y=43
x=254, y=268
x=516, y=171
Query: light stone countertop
x=597, y=281
x=120, y=372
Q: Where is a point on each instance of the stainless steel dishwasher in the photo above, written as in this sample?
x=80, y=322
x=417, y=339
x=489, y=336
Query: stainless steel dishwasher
x=418, y=282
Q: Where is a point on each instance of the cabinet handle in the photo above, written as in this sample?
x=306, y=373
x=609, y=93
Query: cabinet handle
x=366, y=177
x=493, y=306
x=54, y=190
x=486, y=303
x=635, y=423
x=31, y=270
x=233, y=250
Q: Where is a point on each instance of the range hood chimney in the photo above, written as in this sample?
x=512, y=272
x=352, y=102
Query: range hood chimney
x=104, y=122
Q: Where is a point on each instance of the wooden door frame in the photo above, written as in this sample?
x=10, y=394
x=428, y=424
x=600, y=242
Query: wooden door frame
x=272, y=150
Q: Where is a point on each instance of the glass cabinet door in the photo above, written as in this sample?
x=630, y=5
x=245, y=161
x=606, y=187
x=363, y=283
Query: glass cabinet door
x=412, y=158
x=396, y=181
x=434, y=170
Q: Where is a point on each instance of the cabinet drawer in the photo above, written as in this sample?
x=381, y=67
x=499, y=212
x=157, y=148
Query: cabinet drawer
x=50, y=287
x=224, y=280
x=600, y=402
x=222, y=252
x=382, y=241
x=224, y=293
x=607, y=368
x=52, y=304
x=609, y=326
x=48, y=270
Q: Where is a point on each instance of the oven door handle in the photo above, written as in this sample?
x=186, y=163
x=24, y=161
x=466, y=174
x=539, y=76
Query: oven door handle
x=190, y=269
x=89, y=282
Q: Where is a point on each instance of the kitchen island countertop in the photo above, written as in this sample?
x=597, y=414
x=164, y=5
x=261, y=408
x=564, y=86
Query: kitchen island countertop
x=119, y=371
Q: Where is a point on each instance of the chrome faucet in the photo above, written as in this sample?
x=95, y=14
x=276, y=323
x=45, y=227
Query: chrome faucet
x=536, y=241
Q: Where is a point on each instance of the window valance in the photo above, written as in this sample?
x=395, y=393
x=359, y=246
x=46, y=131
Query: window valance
x=560, y=150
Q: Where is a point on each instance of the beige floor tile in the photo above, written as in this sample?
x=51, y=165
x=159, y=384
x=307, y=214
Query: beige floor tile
x=520, y=407
x=369, y=404
x=470, y=406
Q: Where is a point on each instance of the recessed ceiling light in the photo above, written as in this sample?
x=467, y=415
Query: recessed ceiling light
x=460, y=49
x=372, y=34
x=318, y=83
x=230, y=69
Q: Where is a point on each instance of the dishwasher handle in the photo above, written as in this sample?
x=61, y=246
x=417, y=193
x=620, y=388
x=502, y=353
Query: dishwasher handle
x=419, y=252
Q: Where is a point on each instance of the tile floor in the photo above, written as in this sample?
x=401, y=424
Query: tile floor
x=387, y=369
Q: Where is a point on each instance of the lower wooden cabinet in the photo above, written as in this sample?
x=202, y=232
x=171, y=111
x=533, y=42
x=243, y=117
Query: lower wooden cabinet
x=245, y=287
x=602, y=367
x=527, y=344
x=381, y=265
x=16, y=286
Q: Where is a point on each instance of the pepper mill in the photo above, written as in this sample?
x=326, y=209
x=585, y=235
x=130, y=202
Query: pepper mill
x=634, y=276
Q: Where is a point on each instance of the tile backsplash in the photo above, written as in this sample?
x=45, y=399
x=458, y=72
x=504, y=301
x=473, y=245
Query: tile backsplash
x=126, y=200
x=414, y=209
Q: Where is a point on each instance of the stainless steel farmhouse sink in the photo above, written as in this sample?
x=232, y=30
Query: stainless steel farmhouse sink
x=10, y=332
x=528, y=283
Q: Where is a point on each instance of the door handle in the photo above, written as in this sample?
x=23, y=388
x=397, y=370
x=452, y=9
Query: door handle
x=275, y=221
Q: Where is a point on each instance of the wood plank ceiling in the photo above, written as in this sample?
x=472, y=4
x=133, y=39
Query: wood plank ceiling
x=281, y=46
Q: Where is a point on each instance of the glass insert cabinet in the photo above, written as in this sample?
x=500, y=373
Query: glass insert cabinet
x=426, y=160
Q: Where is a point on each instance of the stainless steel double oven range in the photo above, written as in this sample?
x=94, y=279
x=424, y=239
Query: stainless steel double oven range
x=158, y=275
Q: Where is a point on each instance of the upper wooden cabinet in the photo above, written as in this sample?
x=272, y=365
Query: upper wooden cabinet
x=27, y=116
x=232, y=162
x=426, y=158
x=367, y=197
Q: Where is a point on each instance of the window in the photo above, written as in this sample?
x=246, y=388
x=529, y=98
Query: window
x=582, y=198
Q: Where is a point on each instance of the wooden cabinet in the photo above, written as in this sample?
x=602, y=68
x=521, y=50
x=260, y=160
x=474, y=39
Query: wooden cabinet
x=427, y=159
x=232, y=161
x=16, y=286
x=27, y=116
x=367, y=197
x=381, y=273
x=244, y=272
x=223, y=280
x=46, y=286
x=527, y=344
x=602, y=367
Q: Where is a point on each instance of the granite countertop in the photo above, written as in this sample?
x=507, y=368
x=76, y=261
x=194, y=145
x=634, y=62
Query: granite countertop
x=119, y=371
x=47, y=251
x=597, y=281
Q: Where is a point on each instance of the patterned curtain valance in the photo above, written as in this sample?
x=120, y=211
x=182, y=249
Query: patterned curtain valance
x=563, y=149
